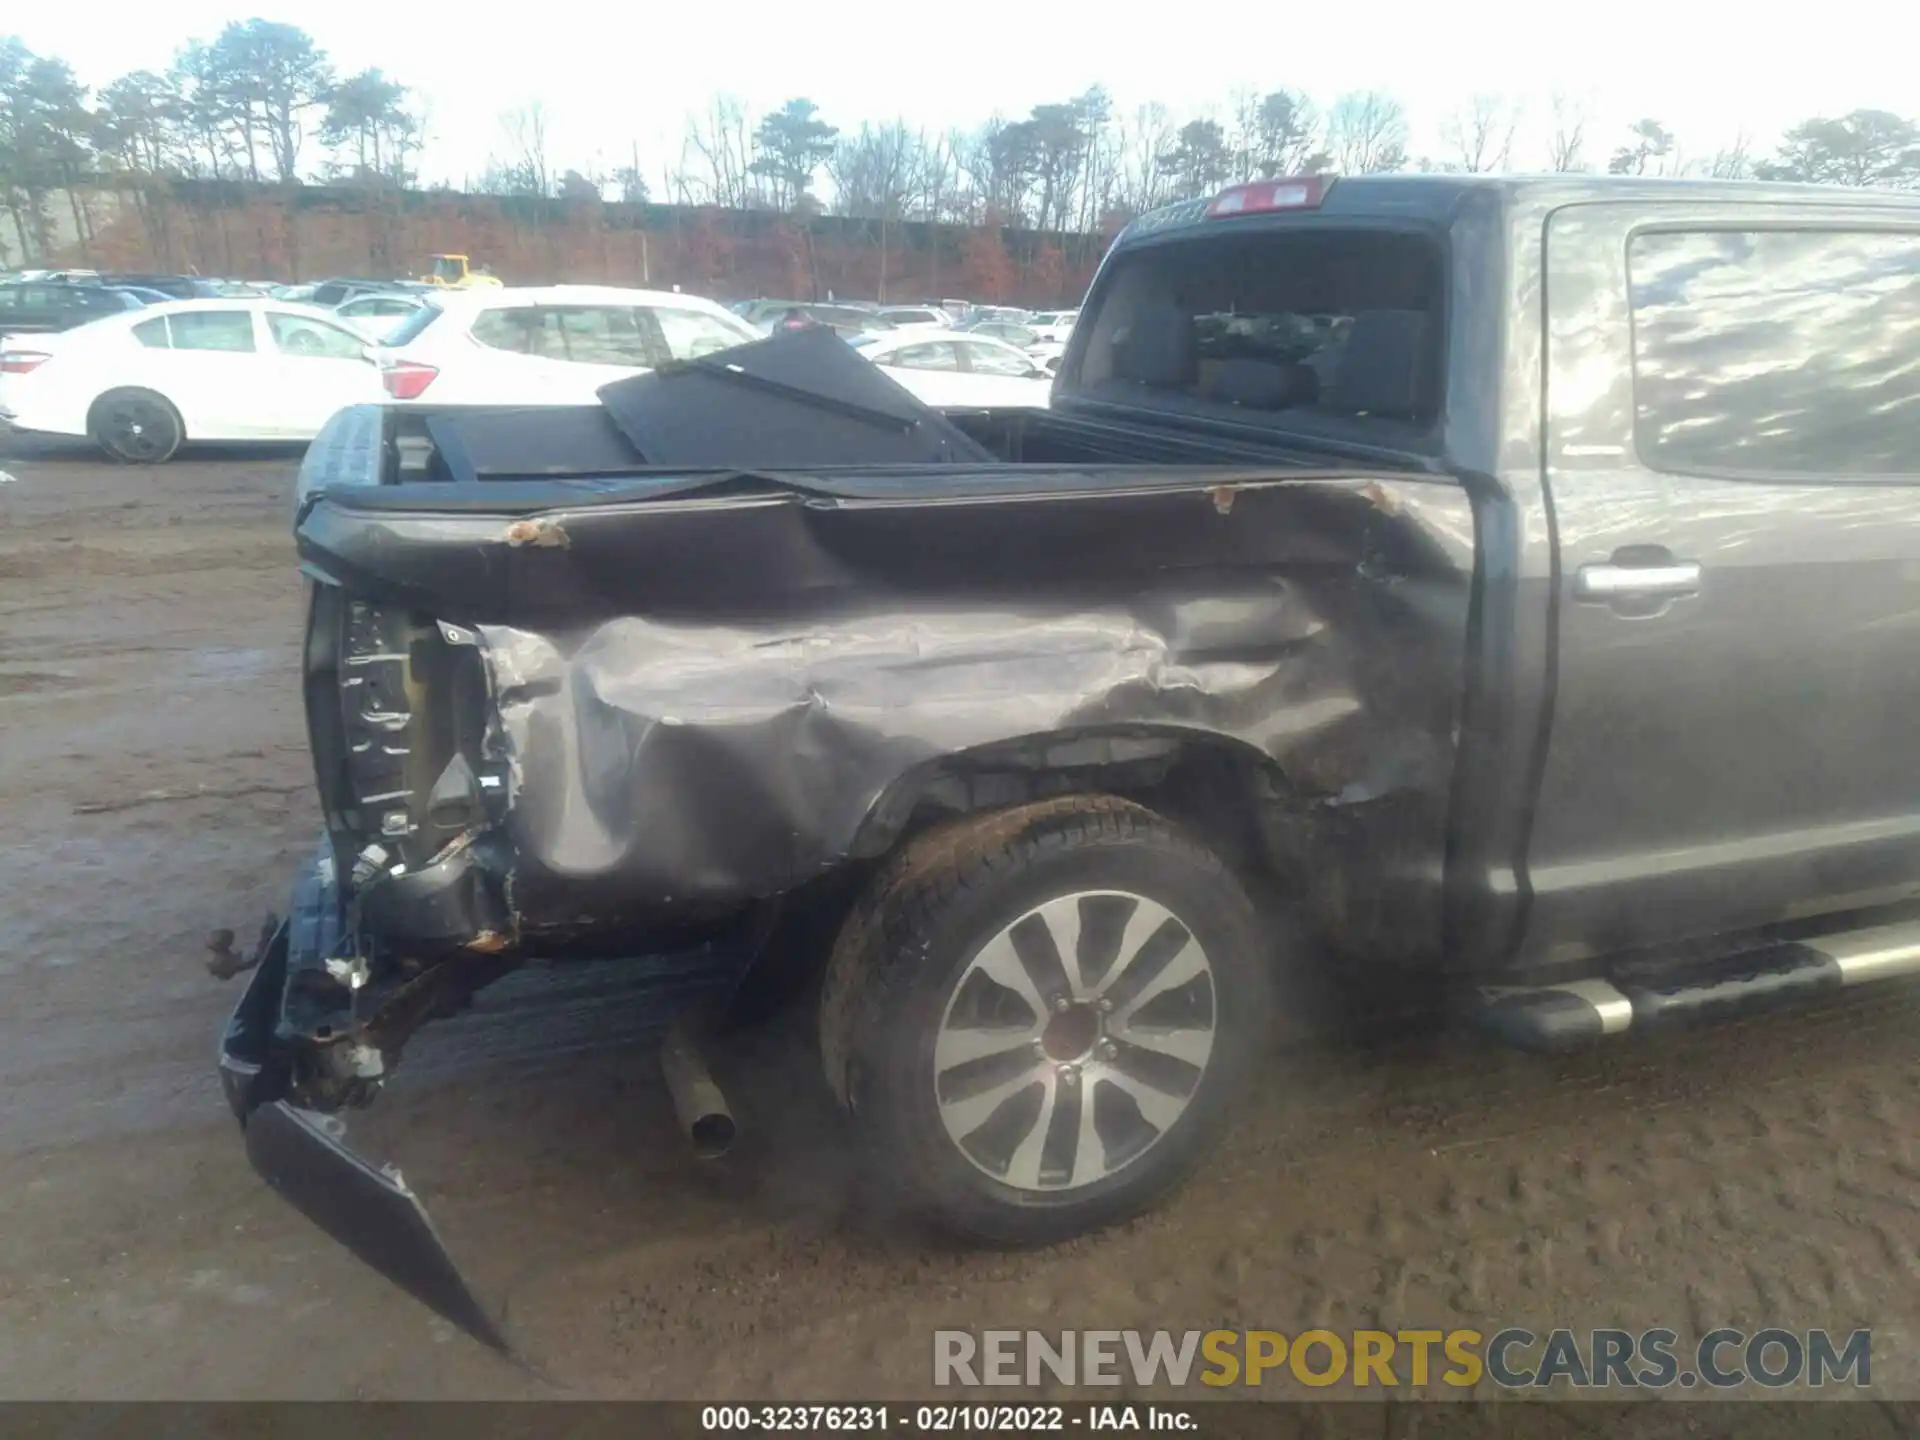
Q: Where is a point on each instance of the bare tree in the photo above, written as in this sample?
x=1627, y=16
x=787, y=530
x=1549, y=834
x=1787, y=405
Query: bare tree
x=525, y=128
x=1569, y=135
x=1735, y=162
x=874, y=174
x=720, y=146
x=937, y=177
x=631, y=179
x=1367, y=133
x=1100, y=188
x=1088, y=184
x=1001, y=161
x=936, y=184
x=1479, y=133
x=973, y=157
x=1145, y=138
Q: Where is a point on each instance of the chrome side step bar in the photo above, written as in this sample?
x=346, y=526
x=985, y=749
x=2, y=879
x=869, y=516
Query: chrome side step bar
x=1559, y=1017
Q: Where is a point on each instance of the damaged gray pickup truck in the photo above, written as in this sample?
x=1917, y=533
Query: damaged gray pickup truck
x=1505, y=589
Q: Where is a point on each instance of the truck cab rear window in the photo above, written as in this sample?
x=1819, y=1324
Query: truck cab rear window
x=1780, y=352
x=1272, y=327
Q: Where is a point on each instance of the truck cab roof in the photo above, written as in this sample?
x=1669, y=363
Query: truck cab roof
x=1439, y=198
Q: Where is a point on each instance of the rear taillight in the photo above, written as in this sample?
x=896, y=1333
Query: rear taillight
x=407, y=379
x=21, y=362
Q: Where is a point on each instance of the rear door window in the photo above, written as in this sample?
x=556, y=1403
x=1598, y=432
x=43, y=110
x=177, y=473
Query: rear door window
x=689, y=334
x=936, y=355
x=515, y=330
x=603, y=335
x=994, y=360
x=152, y=333
x=1777, y=352
x=226, y=330
x=303, y=335
x=1011, y=333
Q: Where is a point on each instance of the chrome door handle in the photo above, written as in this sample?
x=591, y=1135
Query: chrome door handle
x=1615, y=582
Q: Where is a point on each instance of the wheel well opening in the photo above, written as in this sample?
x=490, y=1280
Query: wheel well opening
x=1219, y=791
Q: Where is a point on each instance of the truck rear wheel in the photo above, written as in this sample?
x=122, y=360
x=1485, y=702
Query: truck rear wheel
x=1037, y=1019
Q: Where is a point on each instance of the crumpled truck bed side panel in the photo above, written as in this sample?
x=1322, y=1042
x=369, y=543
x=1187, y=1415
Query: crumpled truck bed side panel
x=703, y=704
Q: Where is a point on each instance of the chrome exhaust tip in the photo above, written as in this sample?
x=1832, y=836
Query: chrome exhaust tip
x=698, y=1102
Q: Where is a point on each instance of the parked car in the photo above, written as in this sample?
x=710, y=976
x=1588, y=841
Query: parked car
x=549, y=345
x=378, y=315
x=958, y=370
x=845, y=319
x=1053, y=326
x=920, y=315
x=174, y=287
x=1013, y=332
x=37, y=307
x=1540, y=640
x=998, y=312
x=142, y=294
x=340, y=290
x=141, y=384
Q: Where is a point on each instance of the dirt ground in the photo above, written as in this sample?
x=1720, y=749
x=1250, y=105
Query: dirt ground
x=154, y=783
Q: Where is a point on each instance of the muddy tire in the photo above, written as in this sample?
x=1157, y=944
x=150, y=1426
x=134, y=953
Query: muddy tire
x=136, y=427
x=1038, y=1019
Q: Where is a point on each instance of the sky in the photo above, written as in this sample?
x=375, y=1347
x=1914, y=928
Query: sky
x=615, y=77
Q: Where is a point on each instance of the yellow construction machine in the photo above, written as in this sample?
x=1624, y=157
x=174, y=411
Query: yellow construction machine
x=451, y=272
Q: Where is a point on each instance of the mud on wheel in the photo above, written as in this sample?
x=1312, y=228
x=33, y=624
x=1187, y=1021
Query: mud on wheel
x=1038, y=1018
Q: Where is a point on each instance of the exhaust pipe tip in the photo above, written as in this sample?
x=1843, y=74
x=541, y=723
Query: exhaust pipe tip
x=698, y=1102
x=712, y=1135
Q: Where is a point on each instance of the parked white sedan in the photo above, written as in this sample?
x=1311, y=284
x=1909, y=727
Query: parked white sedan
x=142, y=383
x=959, y=371
x=547, y=345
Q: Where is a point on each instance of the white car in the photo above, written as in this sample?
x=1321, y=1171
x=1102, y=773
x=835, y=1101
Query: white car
x=551, y=345
x=378, y=316
x=1053, y=326
x=141, y=383
x=908, y=317
x=959, y=371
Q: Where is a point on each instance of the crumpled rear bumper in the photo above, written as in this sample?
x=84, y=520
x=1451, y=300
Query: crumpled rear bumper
x=303, y=1154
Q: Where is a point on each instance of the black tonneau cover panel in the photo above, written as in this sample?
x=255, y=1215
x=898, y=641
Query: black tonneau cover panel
x=483, y=441
x=800, y=399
